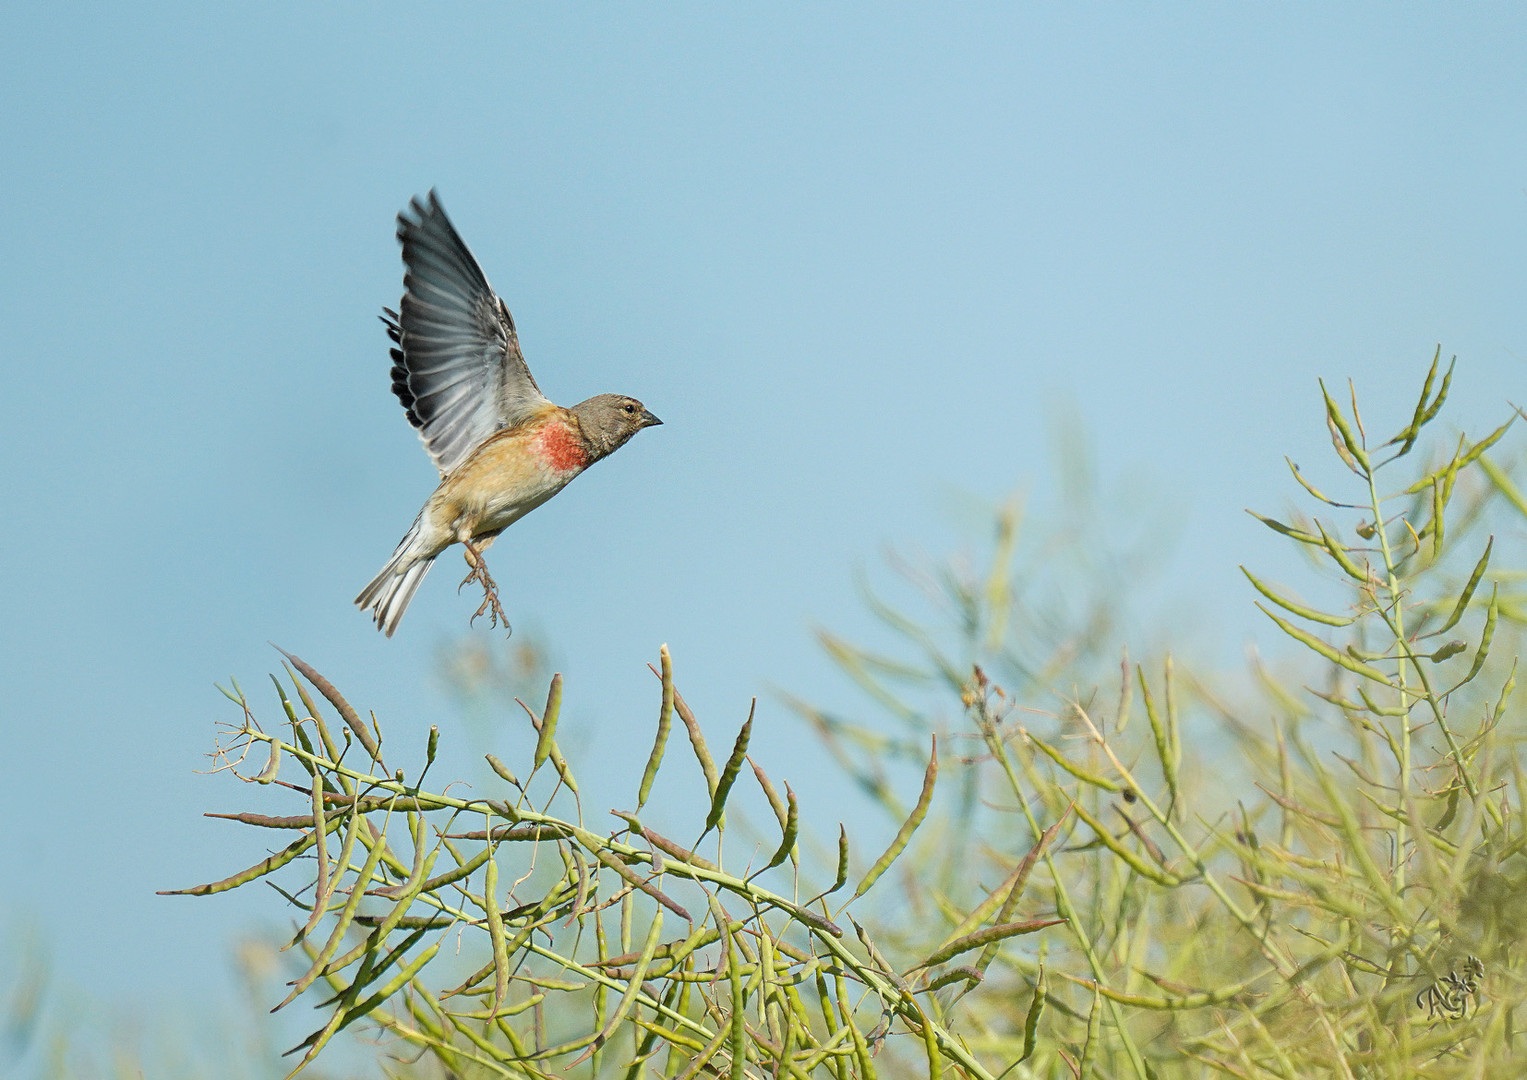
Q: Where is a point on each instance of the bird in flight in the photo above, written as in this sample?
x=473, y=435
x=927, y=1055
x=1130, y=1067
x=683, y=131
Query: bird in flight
x=501, y=447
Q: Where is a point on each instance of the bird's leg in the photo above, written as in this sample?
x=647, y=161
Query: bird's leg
x=479, y=573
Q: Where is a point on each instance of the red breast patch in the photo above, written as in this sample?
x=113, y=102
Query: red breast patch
x=560, y=448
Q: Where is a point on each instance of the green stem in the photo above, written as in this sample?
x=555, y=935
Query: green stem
x=1395, y=618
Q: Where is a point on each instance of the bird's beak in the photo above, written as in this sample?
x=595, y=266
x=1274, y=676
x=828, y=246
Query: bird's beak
x=648, y=420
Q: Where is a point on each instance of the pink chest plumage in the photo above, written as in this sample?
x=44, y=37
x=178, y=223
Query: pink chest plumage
x=560, y=449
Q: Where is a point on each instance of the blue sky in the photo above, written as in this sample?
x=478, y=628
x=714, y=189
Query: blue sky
x=855, y=256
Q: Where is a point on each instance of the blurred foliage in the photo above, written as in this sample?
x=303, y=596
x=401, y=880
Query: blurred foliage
x=1327, y=879
x=1112, y=867
x=55, y=1027
x=480, y=674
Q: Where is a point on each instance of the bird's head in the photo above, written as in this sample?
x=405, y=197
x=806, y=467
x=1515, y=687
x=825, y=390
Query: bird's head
x=608, y=420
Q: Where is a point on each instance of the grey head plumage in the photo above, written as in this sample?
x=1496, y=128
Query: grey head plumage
x=609, y=420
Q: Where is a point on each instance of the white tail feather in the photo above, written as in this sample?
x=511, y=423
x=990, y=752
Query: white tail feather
x=388, y=594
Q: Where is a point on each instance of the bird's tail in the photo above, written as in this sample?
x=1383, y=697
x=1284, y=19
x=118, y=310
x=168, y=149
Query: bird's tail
x=390, y=591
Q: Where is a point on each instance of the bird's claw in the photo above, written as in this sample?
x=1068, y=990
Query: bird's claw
x=490, y=605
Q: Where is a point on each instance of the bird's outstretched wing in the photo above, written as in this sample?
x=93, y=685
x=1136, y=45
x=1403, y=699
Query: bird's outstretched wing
x=457, y=368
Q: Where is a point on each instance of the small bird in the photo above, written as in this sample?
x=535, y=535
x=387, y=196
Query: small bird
x=501, y=447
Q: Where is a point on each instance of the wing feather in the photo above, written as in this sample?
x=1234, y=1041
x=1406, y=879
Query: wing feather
x=457, y=368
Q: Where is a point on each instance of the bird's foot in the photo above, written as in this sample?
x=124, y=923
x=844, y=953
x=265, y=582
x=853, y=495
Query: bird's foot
x=490, y=605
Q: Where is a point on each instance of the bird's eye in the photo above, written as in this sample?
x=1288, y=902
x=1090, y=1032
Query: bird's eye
x=630, y=408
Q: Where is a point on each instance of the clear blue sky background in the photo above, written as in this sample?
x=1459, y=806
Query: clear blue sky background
x=852, y=254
